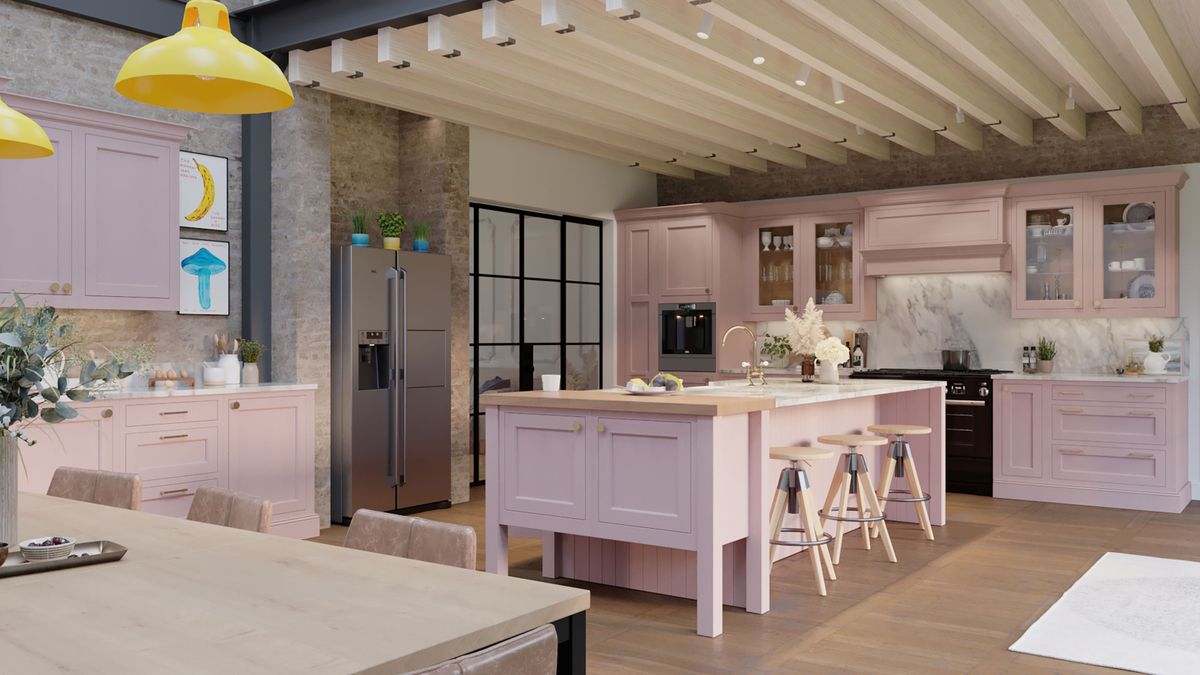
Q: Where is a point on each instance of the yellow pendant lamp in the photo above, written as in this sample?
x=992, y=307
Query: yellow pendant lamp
x=203, y=68
x=21, y=137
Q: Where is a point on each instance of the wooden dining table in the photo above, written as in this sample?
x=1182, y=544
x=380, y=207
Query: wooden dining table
x=190, y=597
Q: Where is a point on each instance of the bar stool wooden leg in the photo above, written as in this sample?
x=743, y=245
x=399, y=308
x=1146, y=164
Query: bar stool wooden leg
x=885, y=486
x=806, y=517
x=835, y=489
x=814, y=521
x=843, y=504
x=868, y=491
x=914, y=484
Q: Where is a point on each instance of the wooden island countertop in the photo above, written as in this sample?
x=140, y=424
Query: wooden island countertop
x=611, y=400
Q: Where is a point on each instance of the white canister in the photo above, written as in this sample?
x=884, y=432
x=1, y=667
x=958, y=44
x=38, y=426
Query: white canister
x=232, y=367
x=214, y=375
x=551, y=382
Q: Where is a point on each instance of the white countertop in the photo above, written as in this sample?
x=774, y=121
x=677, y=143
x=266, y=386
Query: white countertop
x=264, y=388
x=1094, y=377
x=790, y=393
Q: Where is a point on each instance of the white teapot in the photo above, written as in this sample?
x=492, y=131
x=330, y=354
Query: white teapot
x=1155, y=363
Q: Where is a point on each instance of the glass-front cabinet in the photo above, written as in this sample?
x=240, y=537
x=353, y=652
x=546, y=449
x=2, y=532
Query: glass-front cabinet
x=775, y=263
x=1049, y=254
x=1126, y=250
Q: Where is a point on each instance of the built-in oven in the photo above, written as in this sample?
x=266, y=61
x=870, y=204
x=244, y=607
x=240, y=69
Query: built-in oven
x=686, y=337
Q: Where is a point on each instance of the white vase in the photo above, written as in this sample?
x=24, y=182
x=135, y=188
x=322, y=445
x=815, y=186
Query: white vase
x=250, y=373
x=9, y=465
x=827, y=372
x=232, y=367
x=1155, y=363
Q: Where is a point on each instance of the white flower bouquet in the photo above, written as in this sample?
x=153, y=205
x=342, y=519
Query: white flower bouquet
x=832, y=351
x=807, y=330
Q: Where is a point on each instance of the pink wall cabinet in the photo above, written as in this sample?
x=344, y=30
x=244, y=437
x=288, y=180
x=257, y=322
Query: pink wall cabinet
x=772, y=253
x=637, y=309
x=100, y=216
x=684, y=255
x=1094, y=247
x=831, y=269
x=1095, y=444
x=936, y=231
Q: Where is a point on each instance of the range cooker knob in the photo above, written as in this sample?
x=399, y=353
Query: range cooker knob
x=984, y=391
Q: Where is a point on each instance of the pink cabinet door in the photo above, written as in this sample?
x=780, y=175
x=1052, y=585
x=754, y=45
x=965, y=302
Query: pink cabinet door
x=270, y=451
x=684, y=257
x=771, y=252
x=1019, y=431
x=1049, y=236
x=638, y=324
x=85, y=442
x=644, y=473
x=35, y=221
x=544, y=464
x=173, y=452
x=1134, y=253
x=831, y=266
x=129, y=239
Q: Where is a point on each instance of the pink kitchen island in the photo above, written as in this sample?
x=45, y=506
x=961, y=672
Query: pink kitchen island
x=670, y=494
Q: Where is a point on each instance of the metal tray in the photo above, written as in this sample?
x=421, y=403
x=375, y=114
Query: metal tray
x=97, y=552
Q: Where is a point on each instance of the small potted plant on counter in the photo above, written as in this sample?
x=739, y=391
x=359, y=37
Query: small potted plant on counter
x=391, y=225
x=1046, y=351
x=421, y=237
x=251, y=351
x=1156, y=360
x=359, y=238
x=778, y=348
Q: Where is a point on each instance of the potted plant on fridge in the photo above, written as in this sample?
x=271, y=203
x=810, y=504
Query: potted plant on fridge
x=421, y=237
x=251, y=351
x=1046, y=351
x=391, y=225
x=31, y=339
x=359, y=238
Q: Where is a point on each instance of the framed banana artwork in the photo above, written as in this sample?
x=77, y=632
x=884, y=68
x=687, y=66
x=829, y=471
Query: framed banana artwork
x=203, y=192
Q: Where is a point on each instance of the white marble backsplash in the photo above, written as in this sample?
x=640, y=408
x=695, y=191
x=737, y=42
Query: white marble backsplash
x=918, y=316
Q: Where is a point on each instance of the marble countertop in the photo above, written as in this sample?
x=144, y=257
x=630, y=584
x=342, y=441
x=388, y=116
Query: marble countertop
x=264, y=388
x=726, y=397
x=1094, y=377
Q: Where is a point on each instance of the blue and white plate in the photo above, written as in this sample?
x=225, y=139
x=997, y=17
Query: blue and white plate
x=1142, y=287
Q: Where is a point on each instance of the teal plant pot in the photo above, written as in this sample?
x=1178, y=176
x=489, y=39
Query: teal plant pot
x=360, y=240
x=421, y=245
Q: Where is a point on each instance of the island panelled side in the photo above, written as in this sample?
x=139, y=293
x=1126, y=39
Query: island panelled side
x=259, y=443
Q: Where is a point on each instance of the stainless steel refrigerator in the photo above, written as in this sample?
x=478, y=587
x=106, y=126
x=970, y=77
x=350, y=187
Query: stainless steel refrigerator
x=391, y=381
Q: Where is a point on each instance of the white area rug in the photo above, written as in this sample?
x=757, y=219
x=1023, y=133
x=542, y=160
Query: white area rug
x=1128, y=611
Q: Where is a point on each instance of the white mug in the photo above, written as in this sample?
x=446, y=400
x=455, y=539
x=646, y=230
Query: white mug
x=1114, y=266
x=1127, y=265
x=1139, y=263
x=551, y=382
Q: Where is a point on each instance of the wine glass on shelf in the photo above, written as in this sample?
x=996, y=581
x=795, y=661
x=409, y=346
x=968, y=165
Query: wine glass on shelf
x=766, y=240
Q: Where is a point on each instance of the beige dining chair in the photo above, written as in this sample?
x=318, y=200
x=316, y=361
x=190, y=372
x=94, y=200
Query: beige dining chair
x=107, y=488
x=415, y=538
x=532, y=653
x=218, y=506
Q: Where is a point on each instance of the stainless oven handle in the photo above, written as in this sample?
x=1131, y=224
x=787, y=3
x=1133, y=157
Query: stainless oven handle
x=974, y=404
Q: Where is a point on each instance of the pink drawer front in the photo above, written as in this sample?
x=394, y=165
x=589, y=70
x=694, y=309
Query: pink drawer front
x=1120, y=466
x=1108, y=424
x=194, y=410
x=172, y=499
x=178, y=452
x=1131, y=395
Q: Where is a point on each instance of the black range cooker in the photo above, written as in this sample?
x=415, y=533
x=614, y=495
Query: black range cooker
x=968, y=422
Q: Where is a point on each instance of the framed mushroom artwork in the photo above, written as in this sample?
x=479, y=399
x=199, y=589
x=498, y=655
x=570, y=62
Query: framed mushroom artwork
x=203, y=192
x=203, y=277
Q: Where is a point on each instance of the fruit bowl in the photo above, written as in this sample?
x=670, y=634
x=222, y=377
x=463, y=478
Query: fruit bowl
x=45, y=548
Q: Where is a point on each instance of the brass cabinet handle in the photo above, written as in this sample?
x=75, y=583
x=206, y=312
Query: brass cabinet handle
x=1071, y=392
x=1141, y=395
x=67, y=288
x=600, y=427
x=1071, y=411
x=708, y=291
x=1071, y=451
x=179, y=491
x=167, y=438
x=107, y=413
x=235, y=405
x=174, y=412
x=1141, y=455
x=1141, y=413
x=576, y=427
x=54, y=287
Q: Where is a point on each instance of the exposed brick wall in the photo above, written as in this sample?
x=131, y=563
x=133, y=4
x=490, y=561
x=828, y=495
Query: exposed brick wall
x=1165, y=140
x=365, y=159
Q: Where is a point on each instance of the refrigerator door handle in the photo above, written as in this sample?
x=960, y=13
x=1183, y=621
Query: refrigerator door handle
x=393, y=315
x=402, y=450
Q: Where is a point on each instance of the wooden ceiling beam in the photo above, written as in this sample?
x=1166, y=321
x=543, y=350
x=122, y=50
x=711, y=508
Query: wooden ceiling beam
x=797, y=36
x=876, y=31
x=509, y=72
x=314, y=69
x=977, y=40
x=675, y=24
x=598, y=42
x=1144, y=28
x=1049, y=22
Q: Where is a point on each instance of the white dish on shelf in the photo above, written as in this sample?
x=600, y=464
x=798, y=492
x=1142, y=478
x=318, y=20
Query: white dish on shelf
x=834, y=298
x=1138, y=212
x=781, y=302
x=1037, y=230
x=825, y=242
x=1141, y=288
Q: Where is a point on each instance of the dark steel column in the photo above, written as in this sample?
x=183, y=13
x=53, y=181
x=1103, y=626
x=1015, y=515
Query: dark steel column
x=256, y=233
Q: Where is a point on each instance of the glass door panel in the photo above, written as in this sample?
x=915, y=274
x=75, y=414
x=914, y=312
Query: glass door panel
x=834, y=269
x=1049, y=241
x=776, y=265
x=1129, y=246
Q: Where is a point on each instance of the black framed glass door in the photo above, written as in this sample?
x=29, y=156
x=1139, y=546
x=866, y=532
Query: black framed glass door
x=535, y=306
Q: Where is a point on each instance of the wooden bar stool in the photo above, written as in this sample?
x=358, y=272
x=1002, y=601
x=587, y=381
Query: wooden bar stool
x=852, y=479
x=795, y=493
x=900, y=464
